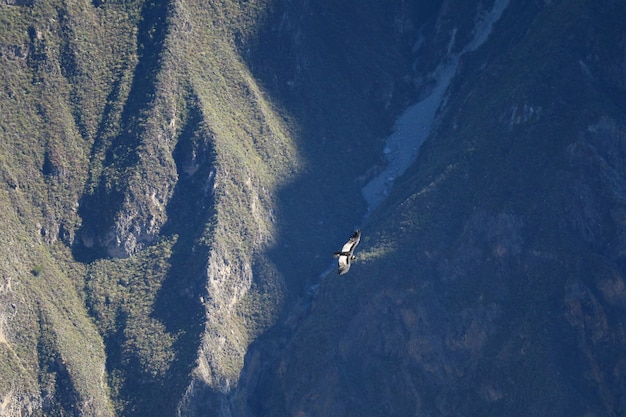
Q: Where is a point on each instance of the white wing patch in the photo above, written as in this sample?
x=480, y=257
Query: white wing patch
x=344, y=264
x=347, y=246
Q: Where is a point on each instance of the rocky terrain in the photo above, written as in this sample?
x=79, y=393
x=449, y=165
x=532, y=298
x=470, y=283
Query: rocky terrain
x=174, y=177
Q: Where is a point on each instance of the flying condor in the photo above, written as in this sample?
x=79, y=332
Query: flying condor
x=346, y=254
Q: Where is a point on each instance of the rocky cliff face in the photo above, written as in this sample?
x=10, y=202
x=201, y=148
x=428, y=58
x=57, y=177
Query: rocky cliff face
x=493, y=271
x=176, y=174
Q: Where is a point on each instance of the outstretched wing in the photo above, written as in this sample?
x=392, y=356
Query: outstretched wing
x=345, y=255
x=352, y=242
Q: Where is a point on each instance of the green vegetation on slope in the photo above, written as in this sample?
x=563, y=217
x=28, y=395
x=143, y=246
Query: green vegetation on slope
x=137, y=154
x=56, y=71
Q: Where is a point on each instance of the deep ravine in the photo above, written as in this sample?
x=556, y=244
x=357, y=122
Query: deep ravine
x=412, y=128
x=418, y=121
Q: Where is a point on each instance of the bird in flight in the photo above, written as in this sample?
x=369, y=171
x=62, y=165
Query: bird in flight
x=346, y=254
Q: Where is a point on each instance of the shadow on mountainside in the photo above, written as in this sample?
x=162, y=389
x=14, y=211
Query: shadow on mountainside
x=342, y=71
x=99, y=207
x=497, y=299
x=179, y=302
x=344, y=101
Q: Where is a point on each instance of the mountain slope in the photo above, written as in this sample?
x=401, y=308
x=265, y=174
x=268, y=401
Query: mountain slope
x=147, y=179
x=153, y=155
x=493, y=275
x=175, y=175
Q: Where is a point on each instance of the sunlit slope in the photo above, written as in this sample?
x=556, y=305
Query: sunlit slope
x=55, y=76
x=139, y=164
